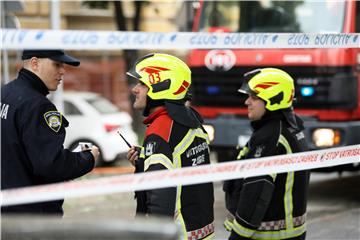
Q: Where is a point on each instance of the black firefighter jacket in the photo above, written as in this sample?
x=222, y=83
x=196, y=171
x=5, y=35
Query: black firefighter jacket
x=277, y=202
x=170, y=145
x=32, y=137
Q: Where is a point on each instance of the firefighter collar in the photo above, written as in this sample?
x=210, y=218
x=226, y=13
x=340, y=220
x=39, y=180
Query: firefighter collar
x=182, y=114
x=177, y=112
x=53, y=120
x=154, y=115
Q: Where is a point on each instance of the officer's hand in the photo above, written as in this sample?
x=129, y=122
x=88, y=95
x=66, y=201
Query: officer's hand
x=95, y=152
x=133, y=154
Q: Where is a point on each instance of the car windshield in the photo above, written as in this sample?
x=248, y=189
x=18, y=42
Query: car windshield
x=273, y=16
x=102, y=105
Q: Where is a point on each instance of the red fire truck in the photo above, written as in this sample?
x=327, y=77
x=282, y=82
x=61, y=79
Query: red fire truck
x=327, y=81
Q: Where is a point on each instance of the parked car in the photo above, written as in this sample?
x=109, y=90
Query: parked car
x=95, y=119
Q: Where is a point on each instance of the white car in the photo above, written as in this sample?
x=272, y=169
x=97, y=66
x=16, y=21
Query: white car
x=92, y=118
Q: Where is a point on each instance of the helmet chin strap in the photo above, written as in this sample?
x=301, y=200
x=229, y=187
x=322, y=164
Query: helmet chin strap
x=150, y=103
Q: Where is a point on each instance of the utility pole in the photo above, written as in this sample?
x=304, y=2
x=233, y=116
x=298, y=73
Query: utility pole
x=5, y=57
x=8, y=20
x=57, y=96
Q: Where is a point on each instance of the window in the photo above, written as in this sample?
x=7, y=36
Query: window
x=274, y=16
x=102, y=105
x=71, y=109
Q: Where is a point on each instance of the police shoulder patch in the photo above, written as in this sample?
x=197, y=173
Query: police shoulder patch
x=53, y=120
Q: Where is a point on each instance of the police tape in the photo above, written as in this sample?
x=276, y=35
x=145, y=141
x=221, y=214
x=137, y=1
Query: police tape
x=185, y=176
x=15, y=39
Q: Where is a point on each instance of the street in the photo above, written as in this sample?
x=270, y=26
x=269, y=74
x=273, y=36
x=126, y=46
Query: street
x=333, y=207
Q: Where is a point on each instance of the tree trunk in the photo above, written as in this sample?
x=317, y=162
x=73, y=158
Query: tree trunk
x=130, y=56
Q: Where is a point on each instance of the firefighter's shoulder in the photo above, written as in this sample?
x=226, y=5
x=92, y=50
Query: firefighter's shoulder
x=161, y=126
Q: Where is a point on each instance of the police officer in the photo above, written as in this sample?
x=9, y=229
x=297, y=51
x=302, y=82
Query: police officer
x=174, y=139
x=33, y=131
x=271, y=206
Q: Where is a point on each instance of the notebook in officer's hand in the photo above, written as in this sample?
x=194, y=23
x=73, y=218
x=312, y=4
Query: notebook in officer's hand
x=83, y=146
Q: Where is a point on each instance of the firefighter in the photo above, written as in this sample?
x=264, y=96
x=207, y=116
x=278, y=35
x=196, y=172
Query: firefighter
x=271, y=206
x=33, y=131
x=174, y=139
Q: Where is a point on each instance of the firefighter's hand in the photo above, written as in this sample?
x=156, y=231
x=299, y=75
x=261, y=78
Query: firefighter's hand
x=95, y=152
x=133, y=155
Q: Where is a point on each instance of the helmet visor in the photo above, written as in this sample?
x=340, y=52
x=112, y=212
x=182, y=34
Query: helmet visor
x=132, y=71
x=245, y=88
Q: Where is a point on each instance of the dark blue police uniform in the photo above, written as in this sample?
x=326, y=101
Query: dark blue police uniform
x=32, y=137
